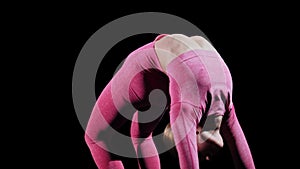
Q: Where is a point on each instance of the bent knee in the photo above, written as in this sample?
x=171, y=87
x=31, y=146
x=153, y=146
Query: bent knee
x=140, y=139
x=137, y=134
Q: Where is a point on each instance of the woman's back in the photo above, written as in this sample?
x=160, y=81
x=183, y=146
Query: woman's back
x=168, y=47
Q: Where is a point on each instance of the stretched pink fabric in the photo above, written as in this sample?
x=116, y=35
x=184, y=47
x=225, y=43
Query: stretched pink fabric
x=201, y=85
x=128, y=92
x=197, y=84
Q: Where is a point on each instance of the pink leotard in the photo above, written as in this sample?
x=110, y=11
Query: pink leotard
x=197, y=83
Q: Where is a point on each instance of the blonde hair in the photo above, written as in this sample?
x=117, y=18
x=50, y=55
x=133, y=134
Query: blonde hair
x=168, y=135
x=168, y=140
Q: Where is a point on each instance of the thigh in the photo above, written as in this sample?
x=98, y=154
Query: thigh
x=149, y=94
x=149, y=89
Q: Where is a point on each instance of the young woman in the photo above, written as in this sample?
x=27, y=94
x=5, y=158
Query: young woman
x=199, y=85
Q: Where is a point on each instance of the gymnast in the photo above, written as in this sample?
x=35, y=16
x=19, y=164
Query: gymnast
x=198, y=85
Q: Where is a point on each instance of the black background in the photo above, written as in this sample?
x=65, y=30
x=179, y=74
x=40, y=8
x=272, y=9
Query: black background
x=51, y=36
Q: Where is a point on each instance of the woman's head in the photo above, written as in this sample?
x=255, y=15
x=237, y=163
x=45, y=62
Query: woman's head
x=168, y=136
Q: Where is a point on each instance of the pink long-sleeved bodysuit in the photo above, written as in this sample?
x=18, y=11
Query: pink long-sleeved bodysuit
x=196, y=83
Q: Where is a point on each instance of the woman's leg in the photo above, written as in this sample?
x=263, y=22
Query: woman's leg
x=141, y=135
x=235, y=138
x=130, y=94
x=184, y=120
x=153, y=103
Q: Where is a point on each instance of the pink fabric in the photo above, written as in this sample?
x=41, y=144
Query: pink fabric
x=197, y=83
x=238, y=145
x=201, y=85
x=200, y=78
x=128, y=91
x=144, y=146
